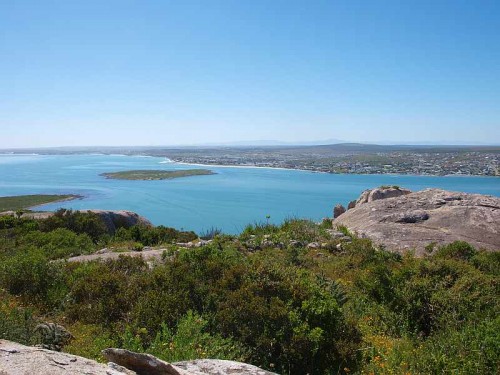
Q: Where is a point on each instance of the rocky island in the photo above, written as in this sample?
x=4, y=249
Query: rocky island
x=150, y=175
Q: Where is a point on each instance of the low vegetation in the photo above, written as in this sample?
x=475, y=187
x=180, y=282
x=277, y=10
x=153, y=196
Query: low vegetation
x=156, y=174
x=21, y=202
x=262, y=297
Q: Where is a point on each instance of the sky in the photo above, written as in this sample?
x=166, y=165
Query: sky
x=75, y=73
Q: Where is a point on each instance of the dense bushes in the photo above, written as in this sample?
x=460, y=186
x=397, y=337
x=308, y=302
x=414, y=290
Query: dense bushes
x=190, y=340
x=290, y=309
x=76, y=221
x=16, y=323
x=150, y=236
x=29, y=273
x=59, y=243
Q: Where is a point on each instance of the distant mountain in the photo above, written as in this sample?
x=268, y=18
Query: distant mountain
x=434, y=143
x=266, y=142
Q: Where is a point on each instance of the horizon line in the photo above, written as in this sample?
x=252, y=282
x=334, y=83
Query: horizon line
x=278, y=143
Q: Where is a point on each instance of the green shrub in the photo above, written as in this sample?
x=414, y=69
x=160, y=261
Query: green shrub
x=487, y=262
x=190, y=340
x=60, y=243
x=472, y=349
x=358, y=310
x=89, y=340
x=79, y=222
x=104, y=292
x=30, y=273
x=16, y=323
x=459, y=250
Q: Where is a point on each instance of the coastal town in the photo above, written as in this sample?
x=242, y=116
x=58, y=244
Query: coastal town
x=417, y=162
x=348, y=158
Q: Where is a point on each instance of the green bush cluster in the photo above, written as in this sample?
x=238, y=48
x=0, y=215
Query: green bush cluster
x=288, y=309
x=151, y=236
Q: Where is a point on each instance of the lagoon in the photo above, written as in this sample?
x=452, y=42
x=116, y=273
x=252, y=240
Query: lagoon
x=229, y=199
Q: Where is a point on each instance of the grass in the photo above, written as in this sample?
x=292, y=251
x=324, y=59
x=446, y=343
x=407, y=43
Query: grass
x=20, y=202
x=156, y=174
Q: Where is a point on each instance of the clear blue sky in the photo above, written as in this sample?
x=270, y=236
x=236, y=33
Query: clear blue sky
x=182, y=72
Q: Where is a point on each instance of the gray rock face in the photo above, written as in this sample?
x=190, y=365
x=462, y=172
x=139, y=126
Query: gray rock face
x=141, y=364
x=220, y=367
x=116, y=219
x=380, y=193
x=338, y=210
x=414, y=220
x=148, y=255
x=351, y=204
x=17, y=359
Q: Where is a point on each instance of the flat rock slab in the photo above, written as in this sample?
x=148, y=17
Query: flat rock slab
x=17, y=359
x=414, y=220
x=220, y=367
x=146, y=255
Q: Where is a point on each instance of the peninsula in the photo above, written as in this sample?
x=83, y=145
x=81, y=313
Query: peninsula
x=148, y=175
x=20, y=202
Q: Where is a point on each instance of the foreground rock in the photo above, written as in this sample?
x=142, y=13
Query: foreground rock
x=17, y=359
x=414, y=220
x=146, y=255
x=141, y=363
x=382, y=192
x=220, y=367
x=338, y=210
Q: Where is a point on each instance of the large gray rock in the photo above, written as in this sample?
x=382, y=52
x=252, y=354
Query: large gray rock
x=380, y=193
x=121, y=218
x=338, y=210
x=414, y=220
x=220, y=367
x=148, y=256
x=146, y=364
x=142, y=364
x=17, y=359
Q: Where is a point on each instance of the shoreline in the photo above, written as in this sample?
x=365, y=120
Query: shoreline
x=66, y=199
x=323, y=172
x=245, y=167
x=166, y=160
x=29, y=207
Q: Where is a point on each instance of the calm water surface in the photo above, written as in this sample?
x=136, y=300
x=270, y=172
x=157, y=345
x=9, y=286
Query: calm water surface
x=229, y=200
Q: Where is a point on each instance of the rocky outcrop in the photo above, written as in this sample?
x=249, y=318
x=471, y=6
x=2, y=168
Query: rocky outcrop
x=351, y=204
x=17, y=359
x=141, y=364
x=382, y=192
x=146, y=255
x=414, y=220
x=338, y=210
x=117, y=219
x=219, y=366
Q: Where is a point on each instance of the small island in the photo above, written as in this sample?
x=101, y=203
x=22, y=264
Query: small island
x=149, y=175
x=20, y=202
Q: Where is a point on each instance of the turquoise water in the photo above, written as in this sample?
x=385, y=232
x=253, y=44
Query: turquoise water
x=228, y=200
